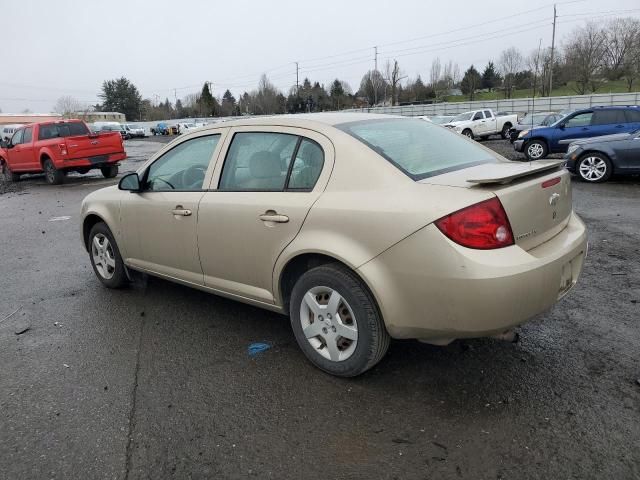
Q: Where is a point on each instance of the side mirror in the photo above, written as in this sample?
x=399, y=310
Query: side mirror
x=130, y=183
x=561, y=126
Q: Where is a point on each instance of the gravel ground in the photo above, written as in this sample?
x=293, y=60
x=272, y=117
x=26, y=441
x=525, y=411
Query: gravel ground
x=154, y=381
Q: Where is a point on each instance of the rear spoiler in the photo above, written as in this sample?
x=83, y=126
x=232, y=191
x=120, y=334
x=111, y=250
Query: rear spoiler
x=506, y=172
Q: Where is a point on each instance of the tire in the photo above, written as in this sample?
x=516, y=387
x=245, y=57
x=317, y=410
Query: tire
x=9, y=176
x=51, y=173
x=355, y=313
x=468, y=133
x=105, y=257
x=535, y=149
x=505, y=131
x=594, y=168
x=109, y=172
x=82, y=171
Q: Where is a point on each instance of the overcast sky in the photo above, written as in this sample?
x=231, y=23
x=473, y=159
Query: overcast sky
x=68, y=47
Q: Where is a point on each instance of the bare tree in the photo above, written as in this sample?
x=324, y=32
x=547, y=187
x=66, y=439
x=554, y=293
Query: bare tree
x=372, y=86
x=436, y=73
x=67, y=106
x=510, y=63
x=393, y=76
x=584, y=56
x=621, y=37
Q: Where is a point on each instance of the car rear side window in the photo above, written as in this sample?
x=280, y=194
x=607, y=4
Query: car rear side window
x=487, y=114
x=608, y=117
x=258, y=161
x=419, y=149
x=633, y=116
x=57, y=130
x=306, y=166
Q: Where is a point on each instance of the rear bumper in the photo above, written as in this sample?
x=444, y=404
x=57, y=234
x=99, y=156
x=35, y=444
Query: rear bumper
x=87, y=162
x=432, y=289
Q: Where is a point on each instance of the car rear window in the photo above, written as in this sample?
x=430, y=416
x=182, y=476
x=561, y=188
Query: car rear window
x=57, y=130
x=419, y=149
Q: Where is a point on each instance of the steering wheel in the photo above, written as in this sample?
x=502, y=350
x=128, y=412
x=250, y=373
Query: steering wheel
x=193, y=176
x=164, y=181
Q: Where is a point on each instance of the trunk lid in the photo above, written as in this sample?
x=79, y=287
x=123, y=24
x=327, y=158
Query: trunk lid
x=82, y=146
x=535, y=195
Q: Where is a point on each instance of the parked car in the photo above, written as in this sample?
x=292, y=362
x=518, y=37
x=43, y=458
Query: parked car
x=160, y=129
x=537, y=143
x=135, y=131
x=482, y=123
x=538, y=119
x=293, y=214
x=185, y=127
x=596, y=159
x=56, y=148
x=111, y=127
x=7, y=131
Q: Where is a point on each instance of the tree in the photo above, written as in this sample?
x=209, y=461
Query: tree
x=337, y=94
x=510, y=63
x=584, y=56
x=490, y=77
x=265, y=100
x=621, y=42
x=207, y=102
x=435, y=74
x=67, y=105
x=372, y=86
x=393, y=77
x=470, y=82
x=228, y=105
x=120, y=95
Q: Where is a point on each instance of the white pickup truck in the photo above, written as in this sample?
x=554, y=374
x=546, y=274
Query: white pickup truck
x=482, y=123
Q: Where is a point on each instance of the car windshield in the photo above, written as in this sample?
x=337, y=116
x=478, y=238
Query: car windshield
x=419, y=149
x=440, y=120
x=535, y=119
x=462, y=117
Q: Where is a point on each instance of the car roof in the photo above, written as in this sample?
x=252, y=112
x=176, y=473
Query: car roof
x=304, y=119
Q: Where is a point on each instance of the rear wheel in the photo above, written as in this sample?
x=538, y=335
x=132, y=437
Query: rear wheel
x=468, y=133
x=109, y=172
x=505, y=131
x=105, y=257
x=594, y=168
x=9, y=176
x=535, y=149
x=51, y=173
x=336, y=322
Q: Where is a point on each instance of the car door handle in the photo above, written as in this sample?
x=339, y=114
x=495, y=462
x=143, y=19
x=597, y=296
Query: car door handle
x=179, y=210
x=619, y=126
x=272, y=216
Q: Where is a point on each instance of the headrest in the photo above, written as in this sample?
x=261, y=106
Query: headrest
x=264, y=164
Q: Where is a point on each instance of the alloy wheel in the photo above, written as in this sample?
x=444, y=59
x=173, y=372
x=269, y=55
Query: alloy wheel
x=593, y=168
x=103, y=256
x=328, y=323
x=535, y=151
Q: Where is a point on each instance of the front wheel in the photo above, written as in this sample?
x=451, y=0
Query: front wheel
x=468, y=133
x=52, y=174
x=535, y=149
x=109, y=172
x=336, y=321
x=594, y=168
x=105, y=257
x=9, y=176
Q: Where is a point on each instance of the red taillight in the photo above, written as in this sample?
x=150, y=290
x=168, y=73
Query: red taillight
x=483, y=226
x=63, y=148
x=551, y=183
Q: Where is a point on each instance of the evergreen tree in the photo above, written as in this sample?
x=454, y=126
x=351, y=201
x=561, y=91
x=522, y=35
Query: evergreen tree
x=120, y=95
x=490, y=77
x=470, y=82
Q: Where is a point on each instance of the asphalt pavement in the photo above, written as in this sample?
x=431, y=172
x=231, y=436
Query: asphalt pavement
x=155, y=381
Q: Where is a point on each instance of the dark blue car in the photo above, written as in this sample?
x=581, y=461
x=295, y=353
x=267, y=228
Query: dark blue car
x=538, y=142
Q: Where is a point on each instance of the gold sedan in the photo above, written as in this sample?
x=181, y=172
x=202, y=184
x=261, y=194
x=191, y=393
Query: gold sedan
x=360, y=227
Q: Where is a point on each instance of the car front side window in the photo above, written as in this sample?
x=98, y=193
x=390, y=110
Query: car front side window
x=258, y=161
x=17, y=137
x=580, y=120
x=182, y=168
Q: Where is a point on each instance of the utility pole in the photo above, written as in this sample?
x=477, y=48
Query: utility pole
x=297, y=80
x=553, y=45
x=375, y=58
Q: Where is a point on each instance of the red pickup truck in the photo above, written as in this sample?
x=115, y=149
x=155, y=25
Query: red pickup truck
x=58, y=147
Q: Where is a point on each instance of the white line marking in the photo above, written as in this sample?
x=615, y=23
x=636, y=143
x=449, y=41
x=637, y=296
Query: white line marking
x=59, y=219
